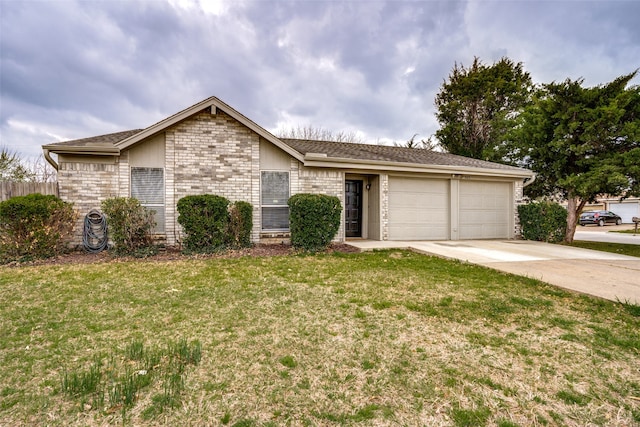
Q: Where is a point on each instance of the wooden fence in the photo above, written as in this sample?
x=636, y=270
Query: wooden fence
x=9, y=189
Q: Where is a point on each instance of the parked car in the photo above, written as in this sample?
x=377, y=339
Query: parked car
x=599, y=217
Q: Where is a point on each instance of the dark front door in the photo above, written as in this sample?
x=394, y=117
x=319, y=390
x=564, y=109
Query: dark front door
x=353, y=208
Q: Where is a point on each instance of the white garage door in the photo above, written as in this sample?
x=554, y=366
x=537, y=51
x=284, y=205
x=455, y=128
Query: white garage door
x=418, y=209
x=485, y=210
x=625, y=210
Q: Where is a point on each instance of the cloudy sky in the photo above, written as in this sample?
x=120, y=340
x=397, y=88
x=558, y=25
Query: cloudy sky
x=72, y=69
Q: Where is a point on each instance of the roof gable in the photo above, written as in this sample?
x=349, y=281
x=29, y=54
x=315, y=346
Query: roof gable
x=116, y=142
x=208, y=103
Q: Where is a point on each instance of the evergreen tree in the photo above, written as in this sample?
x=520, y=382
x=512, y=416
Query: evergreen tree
x=477, y=106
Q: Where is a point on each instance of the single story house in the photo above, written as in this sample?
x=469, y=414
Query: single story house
x=387, y=193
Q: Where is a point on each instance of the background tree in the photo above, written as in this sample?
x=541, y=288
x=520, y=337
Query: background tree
x=582, y=143
x=477, y=106
x=426, y=144
x=313, y=133
x=40, y=170
x=12, y=167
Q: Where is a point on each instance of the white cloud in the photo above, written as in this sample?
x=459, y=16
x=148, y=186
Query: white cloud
x=373, y=67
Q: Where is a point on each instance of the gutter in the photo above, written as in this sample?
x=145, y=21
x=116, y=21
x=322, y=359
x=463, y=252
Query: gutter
x=88, y=150
x=321, y=160
x=49, y=159
x=530, y=181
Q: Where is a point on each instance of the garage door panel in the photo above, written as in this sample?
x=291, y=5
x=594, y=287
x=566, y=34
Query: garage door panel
x=479, y=231
x=484, y=210
x=418, y=209
x=418, y=232
x=492, y=217
x=626, y=211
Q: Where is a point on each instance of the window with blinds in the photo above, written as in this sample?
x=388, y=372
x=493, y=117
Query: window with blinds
x=147, y=185
x=274, y=197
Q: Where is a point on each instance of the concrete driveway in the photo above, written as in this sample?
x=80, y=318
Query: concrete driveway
x=606, y=275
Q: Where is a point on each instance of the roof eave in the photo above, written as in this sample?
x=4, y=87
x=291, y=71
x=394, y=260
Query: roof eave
x=87, y=150
x=314, y=160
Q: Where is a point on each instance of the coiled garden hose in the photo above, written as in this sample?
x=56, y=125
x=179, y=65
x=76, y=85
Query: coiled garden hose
x=94, y=236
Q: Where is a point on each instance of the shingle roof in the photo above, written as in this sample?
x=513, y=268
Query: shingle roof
x=387, y=153
x=108, y=140
x=341, y=150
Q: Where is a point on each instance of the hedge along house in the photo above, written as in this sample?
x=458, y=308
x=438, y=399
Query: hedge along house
x=387, y=193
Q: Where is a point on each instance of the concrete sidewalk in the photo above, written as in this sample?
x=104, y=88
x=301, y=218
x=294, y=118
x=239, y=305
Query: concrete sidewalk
x=608, y=234
x=603, y=274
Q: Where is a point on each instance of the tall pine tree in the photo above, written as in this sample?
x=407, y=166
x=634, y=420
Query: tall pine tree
x=477, y=106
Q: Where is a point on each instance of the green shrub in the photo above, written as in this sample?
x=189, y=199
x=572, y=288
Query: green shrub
x=240, y=224
x=204, y=220
x=543, y=221
x=34, y=226
x=129, y=224
x=314, y=220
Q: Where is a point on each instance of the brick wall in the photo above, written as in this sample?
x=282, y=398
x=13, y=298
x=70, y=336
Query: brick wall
x=210, y=154
x=323, y=181
x=518, y=195
x=384, y=205
x=86, y=185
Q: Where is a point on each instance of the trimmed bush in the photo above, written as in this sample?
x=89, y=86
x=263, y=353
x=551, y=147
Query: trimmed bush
x=543, y=221
x=129, y=224
x=314, y=220
x=205, y=221
x=34, y=226
x=240, y=224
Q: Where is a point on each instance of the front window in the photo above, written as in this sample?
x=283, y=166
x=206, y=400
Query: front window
x=147, y=185
x=274, y=197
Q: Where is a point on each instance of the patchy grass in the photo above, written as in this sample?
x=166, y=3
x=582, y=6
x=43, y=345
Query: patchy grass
x=617, y=248
x=382, y=338
x=631, y=231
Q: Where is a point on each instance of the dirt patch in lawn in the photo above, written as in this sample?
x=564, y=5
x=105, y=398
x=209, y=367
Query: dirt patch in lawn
x=172, y=254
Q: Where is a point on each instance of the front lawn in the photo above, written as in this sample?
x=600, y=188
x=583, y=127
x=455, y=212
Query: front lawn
x=616, y=248
x=632, y=231
x=378, y=338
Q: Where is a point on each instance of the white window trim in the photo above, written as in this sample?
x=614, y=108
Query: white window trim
x=270, y=205
x=153, y=206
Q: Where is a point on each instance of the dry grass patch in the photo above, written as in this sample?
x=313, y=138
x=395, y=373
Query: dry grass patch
x=383, y=338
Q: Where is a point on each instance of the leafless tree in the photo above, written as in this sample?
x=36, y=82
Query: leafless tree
x=14, y=168
x=425, y=144
x=320, y=134
x=41, y=170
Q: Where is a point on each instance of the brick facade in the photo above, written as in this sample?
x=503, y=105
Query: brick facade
x=518, y=195
x=384, y=206
x=211, y=154
x=323, y=181
x=205, y=154
x=86, y=185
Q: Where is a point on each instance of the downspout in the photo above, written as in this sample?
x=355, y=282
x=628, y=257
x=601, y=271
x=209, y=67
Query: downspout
x=530, y=181
x=47, y=156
